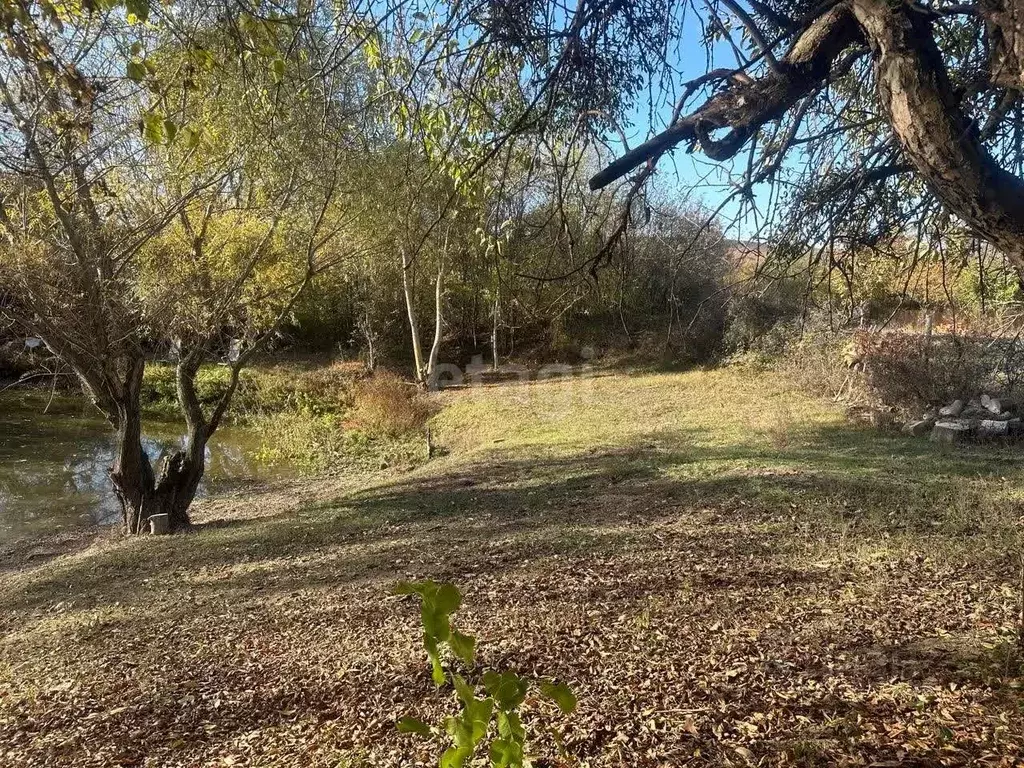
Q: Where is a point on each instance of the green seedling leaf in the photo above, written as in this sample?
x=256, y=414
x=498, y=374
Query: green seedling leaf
x=455, y=757
x=463, y=689
x=436, y=671
x=506, y=753
x=561, y=694
x=507, y=688
x=462, y=646
x=412, y=725
x=510, y=726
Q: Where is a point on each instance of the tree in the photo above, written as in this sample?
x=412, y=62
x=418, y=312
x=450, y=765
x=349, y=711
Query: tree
x=867, y=119
x=199, y=226
x=944, y=104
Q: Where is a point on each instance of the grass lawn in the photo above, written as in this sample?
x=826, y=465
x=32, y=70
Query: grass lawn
x=726, y=573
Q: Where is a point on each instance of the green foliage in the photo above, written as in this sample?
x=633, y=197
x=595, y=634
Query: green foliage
x=505, y=691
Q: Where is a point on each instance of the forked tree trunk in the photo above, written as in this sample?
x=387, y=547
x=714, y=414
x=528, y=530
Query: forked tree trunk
x=140, y=493
x=143, y=494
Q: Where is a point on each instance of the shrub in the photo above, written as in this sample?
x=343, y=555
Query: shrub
x=909, y=371
x=385, y=405
x=313, y=391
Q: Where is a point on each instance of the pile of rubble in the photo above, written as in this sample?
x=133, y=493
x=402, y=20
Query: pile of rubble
x=983, y=418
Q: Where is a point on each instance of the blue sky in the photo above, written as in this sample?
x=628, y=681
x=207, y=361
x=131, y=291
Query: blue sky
x=692, y=176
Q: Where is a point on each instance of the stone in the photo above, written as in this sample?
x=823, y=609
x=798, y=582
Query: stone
x=950, y=431
x=1015, y=427
x=988, y=428
x=918, y=428
x=953, y=409
x=991, y=404
x=159, y=524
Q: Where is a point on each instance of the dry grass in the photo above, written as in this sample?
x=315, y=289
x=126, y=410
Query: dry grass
x=715, y=596
x=387, y=405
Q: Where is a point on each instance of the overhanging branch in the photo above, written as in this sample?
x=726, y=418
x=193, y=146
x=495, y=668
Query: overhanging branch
x=745, y=106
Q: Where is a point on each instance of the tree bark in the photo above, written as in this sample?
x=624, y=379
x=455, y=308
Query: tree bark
x=748, y=104
x=943, y=145
x=923, y=108
x=131, y=473
x=417, y=347
x=1005, y=25
x=176, y=487
x=435, y=347
x=495, y=319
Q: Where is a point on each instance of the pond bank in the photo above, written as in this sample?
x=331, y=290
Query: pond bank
x=55, y=454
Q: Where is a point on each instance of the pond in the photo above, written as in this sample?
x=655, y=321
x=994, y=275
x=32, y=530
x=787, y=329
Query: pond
x=54, y=462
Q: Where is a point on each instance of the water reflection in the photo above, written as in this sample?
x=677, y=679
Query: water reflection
x=53, y=466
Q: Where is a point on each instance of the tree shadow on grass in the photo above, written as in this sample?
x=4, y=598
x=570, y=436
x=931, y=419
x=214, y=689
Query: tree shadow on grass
x=585, y=532
x=600, y=501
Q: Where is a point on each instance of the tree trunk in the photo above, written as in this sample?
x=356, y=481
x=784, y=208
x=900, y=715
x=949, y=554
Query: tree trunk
x=131, y=473
x=139, y=492
x=417, y=347
x=435, y=348
x=925, y=113
x=176, y=487
x=495, y=316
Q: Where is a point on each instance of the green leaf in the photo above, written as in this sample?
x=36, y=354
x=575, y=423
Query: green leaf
x=412, y=725
x=455, y=757
x=462, y=646
x=447, y=597
x=153, y=127
x=190, y=136
x=463, y=689
x=136, y=70
x=508, y=689
x=277, y=70
x=437, y=671
x=506, y=753
x=477, y=717
x=137, y=9
x=406, y=588
x=170, y=130
x=561, y=694
x=435, y=622
x=203, y=58
x=511, y=727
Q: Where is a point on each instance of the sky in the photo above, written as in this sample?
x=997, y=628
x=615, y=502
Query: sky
x=692, y=176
